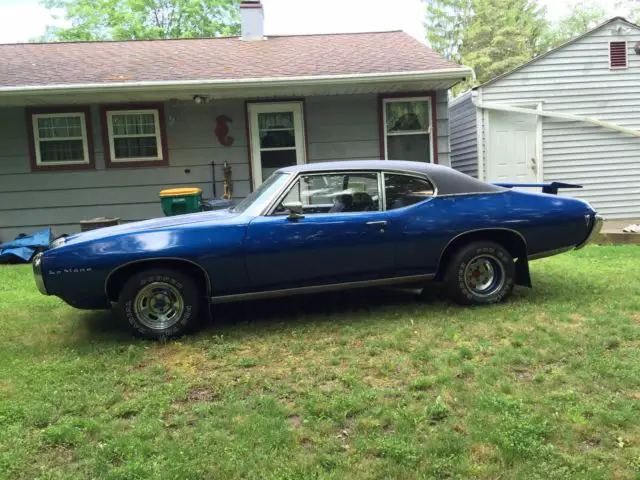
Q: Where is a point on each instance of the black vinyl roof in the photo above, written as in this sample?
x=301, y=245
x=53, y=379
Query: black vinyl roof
x=447, y=180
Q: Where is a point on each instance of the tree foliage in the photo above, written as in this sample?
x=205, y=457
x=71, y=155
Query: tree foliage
x=632, y=9
x=585, y=15
x=446, y=22
x=491, y=36
x=495, y=36
x=143, y=19
x=503, y=34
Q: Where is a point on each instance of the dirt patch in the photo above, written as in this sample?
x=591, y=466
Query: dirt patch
x=523, y=373
x=294, y=421
x=200, y=395
x=484, y=452
x=178, y=359
x=542, y=317
x=142, y=365
x=591, y=443
x=576, y=319
x=57, y=456
x=459, y=428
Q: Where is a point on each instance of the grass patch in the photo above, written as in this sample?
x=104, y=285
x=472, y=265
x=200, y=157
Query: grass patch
x=371, y=384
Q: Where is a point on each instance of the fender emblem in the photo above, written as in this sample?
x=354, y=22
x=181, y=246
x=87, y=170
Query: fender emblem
x=69, y=270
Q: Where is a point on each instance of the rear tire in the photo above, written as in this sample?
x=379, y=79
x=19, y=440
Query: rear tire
x=159, y=304
x=480, y=273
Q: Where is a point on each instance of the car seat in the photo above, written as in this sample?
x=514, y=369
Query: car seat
x=362, y=202
x=343, y=203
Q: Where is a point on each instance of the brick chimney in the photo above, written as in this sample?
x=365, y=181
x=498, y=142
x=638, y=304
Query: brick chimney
x=252, y=19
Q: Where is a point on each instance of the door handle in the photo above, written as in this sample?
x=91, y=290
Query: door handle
x=534, y=165
x=380, y=223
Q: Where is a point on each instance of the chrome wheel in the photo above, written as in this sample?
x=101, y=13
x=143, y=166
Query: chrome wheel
x=484, y=275
x=158, y=306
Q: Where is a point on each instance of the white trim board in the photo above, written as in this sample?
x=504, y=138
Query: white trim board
x=387, y=101
x=36, y=138
x=253, y=109
x=112, y=136
x=562, y=116
x=453, y=74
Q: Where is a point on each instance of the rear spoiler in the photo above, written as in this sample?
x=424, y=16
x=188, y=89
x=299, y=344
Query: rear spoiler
x=551, y=188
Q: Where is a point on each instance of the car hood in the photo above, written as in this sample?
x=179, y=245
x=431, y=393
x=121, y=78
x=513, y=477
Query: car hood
x=216, y=216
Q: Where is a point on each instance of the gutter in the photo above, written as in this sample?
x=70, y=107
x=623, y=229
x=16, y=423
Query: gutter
x=562, y=116
x=442, y=74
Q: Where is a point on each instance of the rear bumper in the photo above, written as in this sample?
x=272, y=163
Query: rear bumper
x=595, y=230
x=37, y=274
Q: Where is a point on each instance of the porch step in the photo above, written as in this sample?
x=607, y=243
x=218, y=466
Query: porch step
x=612, y=233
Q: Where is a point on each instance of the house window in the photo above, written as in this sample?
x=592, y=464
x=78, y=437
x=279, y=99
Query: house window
x=59, y=139
x=408, y=129
x=618, y=55
x=135, y=137
x=276, y=137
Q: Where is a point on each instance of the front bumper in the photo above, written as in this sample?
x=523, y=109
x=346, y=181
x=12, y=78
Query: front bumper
x=37, y=274
x=595, y=230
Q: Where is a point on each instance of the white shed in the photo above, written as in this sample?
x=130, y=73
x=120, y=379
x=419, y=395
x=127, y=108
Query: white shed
x=570, y=115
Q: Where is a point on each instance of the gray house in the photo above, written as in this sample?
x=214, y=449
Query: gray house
x=97, y=129
x=570, y=115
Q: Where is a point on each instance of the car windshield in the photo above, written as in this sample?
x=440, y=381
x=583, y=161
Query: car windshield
x=259, y=198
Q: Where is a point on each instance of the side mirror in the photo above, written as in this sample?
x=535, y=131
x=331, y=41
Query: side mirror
x=293, y=207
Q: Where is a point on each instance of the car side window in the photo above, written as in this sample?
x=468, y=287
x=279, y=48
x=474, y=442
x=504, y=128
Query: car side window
x=332, y=193
x=404, y=190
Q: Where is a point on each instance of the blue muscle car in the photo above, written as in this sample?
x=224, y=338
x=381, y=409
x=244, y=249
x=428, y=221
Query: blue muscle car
x=317, y=227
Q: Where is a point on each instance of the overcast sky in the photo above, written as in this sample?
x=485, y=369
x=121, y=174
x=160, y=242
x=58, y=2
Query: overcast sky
x=24, y=19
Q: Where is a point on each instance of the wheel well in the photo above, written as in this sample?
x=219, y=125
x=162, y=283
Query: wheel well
x=118, y=277
x=509, y=239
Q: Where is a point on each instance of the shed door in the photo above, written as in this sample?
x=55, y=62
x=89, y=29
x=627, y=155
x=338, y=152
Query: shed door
x=512, y=153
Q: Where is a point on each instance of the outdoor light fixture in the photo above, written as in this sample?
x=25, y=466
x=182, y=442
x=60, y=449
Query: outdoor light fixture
x=199, y=99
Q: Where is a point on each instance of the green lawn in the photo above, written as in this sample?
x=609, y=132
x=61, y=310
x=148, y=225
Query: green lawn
x=361, y=385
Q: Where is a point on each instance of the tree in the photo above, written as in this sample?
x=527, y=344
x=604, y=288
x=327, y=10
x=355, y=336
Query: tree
x=631, y=9
x=143, y=19
x=446, y=21
x=502, y=35
x=585, y=15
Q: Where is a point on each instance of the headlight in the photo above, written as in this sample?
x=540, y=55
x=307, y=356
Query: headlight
x=58, y=242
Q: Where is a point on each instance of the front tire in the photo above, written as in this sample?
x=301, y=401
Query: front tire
x=480, y=273
x=159, y=304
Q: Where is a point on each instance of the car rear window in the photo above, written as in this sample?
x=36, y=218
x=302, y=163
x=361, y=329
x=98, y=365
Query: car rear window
x=404, y=190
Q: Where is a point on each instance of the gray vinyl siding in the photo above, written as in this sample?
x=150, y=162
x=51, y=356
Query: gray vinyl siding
x=347, y=127
x=338, y=127
x=464, y=135
x=342, y=128
x=576, y=79
x=61, y=199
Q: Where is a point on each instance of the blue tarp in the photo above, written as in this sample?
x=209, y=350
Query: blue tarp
x=24, y=247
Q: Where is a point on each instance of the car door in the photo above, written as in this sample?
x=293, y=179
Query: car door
x=328, y=228
x=418, y=230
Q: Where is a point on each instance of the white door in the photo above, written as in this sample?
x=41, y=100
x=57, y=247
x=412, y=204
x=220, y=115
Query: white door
x=277, y=138
x=512, y=150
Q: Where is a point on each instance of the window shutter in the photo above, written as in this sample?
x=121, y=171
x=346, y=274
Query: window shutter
x=618, y=54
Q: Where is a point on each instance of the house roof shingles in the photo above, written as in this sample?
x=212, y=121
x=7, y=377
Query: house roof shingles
x=214, y=59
